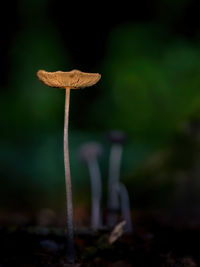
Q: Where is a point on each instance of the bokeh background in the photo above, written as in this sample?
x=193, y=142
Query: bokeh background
x=148, y=53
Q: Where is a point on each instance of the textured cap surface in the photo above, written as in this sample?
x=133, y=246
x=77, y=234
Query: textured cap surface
x=74, y=79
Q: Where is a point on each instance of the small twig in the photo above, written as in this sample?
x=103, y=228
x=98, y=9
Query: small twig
x=117, y=232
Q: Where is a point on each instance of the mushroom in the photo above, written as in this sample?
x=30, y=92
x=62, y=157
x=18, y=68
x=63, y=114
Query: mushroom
x=89, y=153
x=117, y=139
x=74, y=79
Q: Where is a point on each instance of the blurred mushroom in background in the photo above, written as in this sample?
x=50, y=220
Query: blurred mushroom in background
x=117, y=139
x=89, y=153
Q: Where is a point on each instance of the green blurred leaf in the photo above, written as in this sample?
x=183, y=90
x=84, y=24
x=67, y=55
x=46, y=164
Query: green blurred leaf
x=154, y=83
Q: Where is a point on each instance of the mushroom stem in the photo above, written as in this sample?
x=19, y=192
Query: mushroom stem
x=70, y=231
x=125, y=207
x=113, y=182
x=95, y=175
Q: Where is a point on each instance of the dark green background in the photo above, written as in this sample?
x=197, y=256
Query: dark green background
x=148, y=55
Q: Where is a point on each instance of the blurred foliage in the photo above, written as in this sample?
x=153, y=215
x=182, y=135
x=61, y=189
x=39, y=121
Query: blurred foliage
x=33, y=114
x=36, y=46
x=149, y=88
x=154, y=82
x=170, y=177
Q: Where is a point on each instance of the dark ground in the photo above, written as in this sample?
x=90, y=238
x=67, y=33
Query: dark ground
x=157, y=240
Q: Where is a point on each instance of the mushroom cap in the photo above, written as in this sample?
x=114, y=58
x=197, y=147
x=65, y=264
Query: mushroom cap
x=90, y=151
x=117, y=137
x=74, y=79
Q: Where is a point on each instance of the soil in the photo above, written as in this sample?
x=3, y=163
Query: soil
x=156, y=241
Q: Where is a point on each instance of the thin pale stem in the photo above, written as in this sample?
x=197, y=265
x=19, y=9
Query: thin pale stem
x=125, y=207
x=70, y=230
x=113, y=182
x=95, y=176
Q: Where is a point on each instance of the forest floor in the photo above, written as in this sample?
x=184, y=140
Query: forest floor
x=157, y=240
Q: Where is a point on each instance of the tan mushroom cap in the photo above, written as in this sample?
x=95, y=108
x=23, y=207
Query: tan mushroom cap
x=74, y=79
